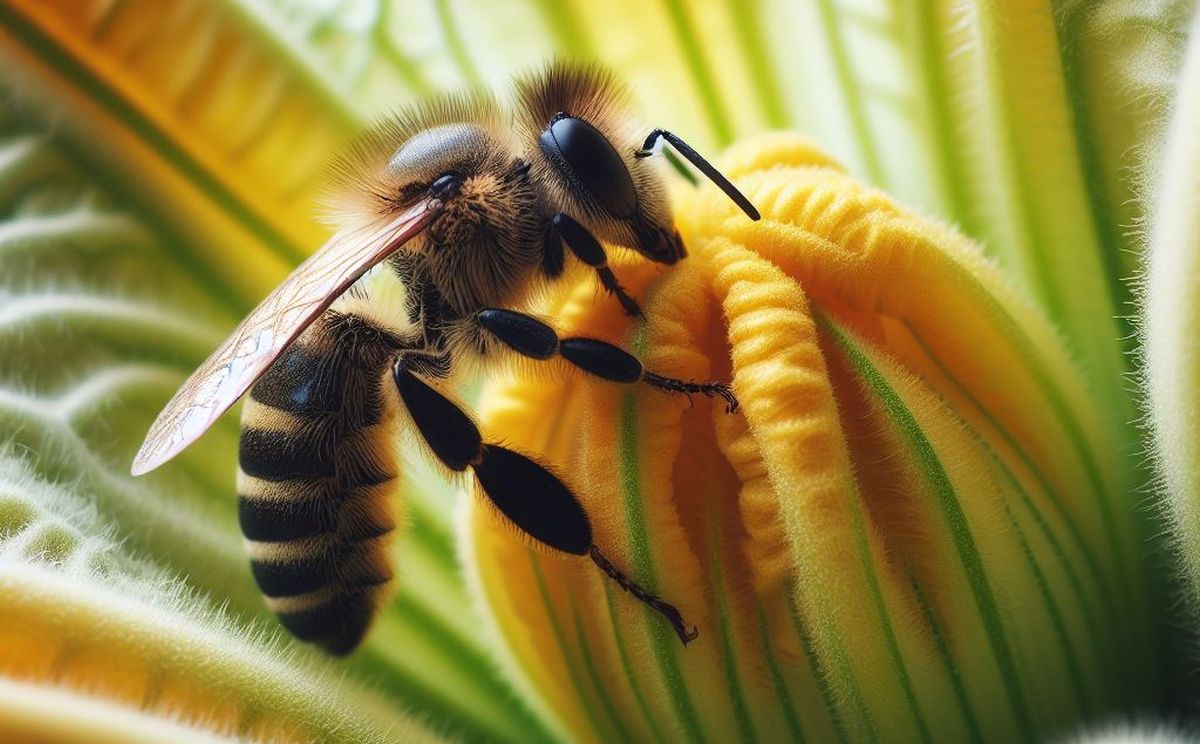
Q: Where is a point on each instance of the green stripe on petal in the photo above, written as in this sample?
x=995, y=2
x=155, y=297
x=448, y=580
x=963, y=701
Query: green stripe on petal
x=631, y=679
x=782, y=695
x=663, y=641
x=737, y=695
x=964, y=542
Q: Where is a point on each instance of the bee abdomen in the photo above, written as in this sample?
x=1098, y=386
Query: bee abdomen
x=316, y=485
x=323, y=593
x=274, y=456
x=287, y=569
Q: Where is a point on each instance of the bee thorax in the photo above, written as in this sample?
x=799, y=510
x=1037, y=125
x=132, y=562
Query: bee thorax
x=483, y=250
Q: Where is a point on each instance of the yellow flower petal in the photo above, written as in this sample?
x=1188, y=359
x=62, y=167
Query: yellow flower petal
x=915, y=528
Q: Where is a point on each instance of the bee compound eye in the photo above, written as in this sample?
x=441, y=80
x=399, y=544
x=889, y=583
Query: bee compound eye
x=446, y=186
x=585, y=156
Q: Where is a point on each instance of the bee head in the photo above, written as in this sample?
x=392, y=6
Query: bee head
x=600, y=180
x=587, y=156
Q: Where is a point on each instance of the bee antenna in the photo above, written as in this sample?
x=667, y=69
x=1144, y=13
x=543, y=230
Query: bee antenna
x=702, y=165
x=662, y=607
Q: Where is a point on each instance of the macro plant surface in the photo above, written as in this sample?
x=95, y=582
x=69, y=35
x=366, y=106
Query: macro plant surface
x=930, y=522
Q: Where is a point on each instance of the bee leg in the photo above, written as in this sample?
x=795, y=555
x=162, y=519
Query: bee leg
x=436, y=364
x=524, y=491
x=531, y=337
x=702, y=165
x=587, y=249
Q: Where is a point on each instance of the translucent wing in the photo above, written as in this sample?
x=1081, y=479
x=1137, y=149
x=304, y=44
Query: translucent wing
x=271, y=327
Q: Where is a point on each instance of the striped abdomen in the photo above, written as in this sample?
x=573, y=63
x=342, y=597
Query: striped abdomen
x=317, y=479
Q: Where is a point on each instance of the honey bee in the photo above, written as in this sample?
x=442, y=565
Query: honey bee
x=450, y=214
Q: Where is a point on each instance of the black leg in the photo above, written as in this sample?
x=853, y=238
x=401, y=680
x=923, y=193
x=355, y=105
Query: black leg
x=524, y=491
x=553, y=255
x=531, y=337
x=428, y=363
x=585, y=246
x=702, y=165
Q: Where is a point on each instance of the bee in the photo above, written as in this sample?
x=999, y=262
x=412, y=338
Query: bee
x=450, y=215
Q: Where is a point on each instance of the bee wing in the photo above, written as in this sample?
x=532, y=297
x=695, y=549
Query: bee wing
x=271, y=327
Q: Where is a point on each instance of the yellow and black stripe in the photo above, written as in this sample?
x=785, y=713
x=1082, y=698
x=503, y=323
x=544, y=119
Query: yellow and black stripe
x=317, y=479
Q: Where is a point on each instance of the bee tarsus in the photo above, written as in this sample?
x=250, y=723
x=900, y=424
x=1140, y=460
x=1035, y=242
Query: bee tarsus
x=532, y=338
x=587, y=249
x=666, y=609
x=707, y=389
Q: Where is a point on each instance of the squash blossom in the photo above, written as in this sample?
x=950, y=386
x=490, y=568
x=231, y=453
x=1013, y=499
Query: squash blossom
x=915, y=531
x=926, y=522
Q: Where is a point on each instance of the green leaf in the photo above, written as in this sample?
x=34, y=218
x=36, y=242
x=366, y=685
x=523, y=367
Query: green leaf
x=1170, y=313
x=133, y=653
